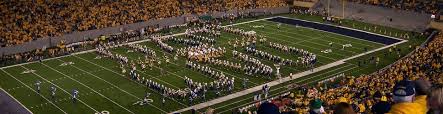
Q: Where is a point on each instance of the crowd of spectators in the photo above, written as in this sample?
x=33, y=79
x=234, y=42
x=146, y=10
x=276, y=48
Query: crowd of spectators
x=23, y=21
x=400, y=88
x=428, y=6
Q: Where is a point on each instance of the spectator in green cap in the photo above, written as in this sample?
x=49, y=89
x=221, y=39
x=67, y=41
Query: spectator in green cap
x=316, y=107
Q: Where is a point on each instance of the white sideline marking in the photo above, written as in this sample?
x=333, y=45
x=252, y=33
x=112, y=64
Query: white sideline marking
x=112, y=85
x=86, y=87
x=16, y=100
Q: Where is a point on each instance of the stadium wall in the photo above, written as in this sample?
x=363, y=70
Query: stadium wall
x=401, y=19
x=91, y=34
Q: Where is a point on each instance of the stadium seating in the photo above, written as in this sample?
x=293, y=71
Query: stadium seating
x=23, y=21
x=429, y=6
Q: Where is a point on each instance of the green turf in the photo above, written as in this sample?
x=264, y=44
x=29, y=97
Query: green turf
x=102, y=85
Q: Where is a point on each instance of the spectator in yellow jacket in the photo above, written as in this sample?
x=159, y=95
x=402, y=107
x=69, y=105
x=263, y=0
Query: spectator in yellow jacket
x=404, y=93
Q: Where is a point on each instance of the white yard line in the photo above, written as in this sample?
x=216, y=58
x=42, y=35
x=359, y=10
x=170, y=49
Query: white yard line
x=125, y=77
x=18, y=101
x=84, y=86
x=132, y=95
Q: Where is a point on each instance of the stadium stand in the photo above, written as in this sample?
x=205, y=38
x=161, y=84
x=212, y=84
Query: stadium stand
x=25, y=21
x=428, y=6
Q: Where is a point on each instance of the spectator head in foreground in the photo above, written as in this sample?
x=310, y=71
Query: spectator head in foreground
x=268, y=108
x=404, y=91
x=422, y=87
x=435, y=99
x=343, y=108
x=316, y=107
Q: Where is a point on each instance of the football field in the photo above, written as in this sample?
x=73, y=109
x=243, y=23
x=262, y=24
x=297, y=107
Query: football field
x=103, y=86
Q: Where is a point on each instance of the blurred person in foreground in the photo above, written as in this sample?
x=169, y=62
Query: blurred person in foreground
x=343, y=108
x=404, y=95
x=435, y=100
x=422, y=87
